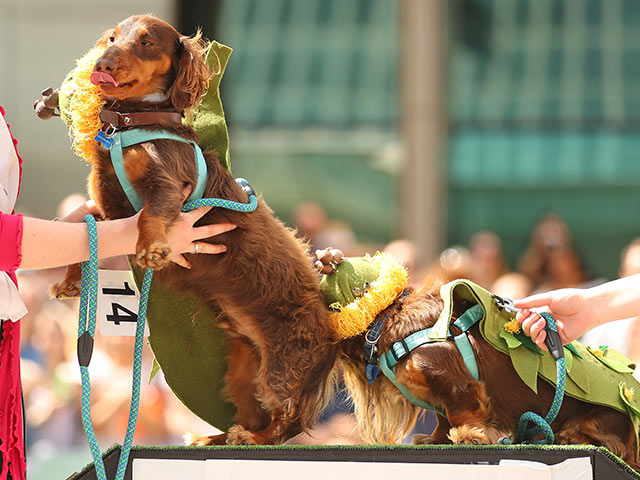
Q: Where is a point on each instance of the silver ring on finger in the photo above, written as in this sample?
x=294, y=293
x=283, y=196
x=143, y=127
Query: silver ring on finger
x=196, y=247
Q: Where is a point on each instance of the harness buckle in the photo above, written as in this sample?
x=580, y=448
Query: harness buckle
x=372, y=341
x=406, y=350
x=110, y=131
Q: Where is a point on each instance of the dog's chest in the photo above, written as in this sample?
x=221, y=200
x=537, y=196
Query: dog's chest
x=105, y=188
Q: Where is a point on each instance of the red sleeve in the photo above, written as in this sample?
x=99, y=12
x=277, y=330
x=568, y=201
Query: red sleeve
x=15, y=145
x=10, y=242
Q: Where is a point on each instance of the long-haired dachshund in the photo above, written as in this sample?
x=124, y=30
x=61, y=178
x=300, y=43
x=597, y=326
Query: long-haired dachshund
x=281, y=351
x=473, y=412
x=470, y=411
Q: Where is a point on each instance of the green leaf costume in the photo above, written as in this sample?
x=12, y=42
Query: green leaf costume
x=602, y=377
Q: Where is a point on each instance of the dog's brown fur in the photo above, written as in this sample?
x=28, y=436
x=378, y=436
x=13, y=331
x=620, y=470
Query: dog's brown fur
x=476, y=411
x=281, y=349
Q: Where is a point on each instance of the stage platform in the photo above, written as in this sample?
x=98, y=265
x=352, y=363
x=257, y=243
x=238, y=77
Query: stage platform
x=490, y=462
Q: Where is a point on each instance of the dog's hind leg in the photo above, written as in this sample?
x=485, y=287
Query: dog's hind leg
x=606, y=428
x=69, y=286
x=294, y=399
x=243, y=361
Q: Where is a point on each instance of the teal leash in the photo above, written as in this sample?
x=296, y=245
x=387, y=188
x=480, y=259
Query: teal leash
x=86, y=332
x=543, y=424
x=87, y=328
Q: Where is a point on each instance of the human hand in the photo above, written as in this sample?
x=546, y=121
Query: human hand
x=76, y=216
x=570, y=308
x=183, y=235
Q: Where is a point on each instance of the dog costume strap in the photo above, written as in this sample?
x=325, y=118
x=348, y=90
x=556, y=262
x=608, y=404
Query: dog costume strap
x=136, y=136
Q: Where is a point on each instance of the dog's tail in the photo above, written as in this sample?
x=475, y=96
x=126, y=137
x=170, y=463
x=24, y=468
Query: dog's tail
x=383, y=414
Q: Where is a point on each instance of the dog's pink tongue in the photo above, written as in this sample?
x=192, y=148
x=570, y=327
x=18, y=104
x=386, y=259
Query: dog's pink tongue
x=100, y=77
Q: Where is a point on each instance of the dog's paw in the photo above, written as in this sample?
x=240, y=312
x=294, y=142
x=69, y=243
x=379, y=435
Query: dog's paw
x=468, y=435
x=65, y=289
x=155, y=256
x=237, y=435
x=422, y=439
x=191, y=439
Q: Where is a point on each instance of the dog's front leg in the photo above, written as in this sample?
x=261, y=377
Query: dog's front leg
x=162, y=207
x=152, y=248
x=469, y=414
x=69, y=286
x=439, y=435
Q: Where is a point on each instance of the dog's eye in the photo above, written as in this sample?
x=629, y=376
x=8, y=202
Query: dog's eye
x=145, y=43
x=112, y=39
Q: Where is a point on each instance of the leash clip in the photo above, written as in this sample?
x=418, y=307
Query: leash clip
x=505, y=304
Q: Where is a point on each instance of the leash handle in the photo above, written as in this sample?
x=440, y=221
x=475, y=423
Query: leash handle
x=553, y=341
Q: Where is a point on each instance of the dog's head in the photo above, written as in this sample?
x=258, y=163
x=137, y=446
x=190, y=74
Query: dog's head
x=147, y=59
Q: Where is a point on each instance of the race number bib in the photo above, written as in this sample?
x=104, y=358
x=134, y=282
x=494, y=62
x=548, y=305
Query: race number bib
x=118, y=300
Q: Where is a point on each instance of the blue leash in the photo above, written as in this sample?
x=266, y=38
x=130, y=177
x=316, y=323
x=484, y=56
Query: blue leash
x=543, y=424
x=87, y=328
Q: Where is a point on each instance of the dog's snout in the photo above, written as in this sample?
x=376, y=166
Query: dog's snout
x=105, y=65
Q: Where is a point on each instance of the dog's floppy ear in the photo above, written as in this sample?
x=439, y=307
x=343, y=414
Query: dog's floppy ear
x=192, y=72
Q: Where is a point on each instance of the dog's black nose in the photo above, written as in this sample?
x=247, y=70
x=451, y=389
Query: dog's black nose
x=105, y=65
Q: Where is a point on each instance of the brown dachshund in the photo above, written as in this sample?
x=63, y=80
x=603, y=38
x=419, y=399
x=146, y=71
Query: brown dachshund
x=281, y=350
x=473, y=412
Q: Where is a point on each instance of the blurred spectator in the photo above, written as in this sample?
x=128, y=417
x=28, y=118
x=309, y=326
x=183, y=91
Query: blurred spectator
x=405, y=252
x=70, y=203
x=562, y=269
x=622, y=335
x=487, y=262
x=550, y=260
x=338, y=234
x=550, y=232
x=630, y=259
x=310, y=219
x=453, y=263
x=512, y=285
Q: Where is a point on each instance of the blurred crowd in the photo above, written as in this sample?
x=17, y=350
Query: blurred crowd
x=51, y=376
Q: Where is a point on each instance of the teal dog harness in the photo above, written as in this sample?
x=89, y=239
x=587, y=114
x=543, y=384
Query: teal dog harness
x=400, y=349
x=117, y=141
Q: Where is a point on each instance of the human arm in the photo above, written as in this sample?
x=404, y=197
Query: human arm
x=576, y=311
x=47, y=244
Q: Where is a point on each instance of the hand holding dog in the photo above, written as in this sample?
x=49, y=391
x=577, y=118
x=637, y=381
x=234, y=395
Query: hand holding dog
x=569, y=308
x=576, y=311
x=184, y=235
x=67, y=243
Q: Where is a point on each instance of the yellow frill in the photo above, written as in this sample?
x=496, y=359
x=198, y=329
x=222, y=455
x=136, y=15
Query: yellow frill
x=85, y=103
x=355, y=317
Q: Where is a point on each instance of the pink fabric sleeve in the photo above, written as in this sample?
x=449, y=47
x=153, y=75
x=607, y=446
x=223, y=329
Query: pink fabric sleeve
x=10, y=242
